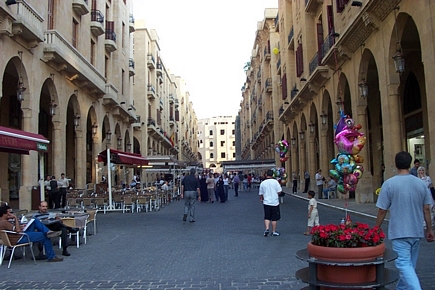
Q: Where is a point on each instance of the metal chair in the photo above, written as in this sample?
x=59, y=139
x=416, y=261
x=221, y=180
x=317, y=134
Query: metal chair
x=128, y=203
x=4, y=235
x=79, y=223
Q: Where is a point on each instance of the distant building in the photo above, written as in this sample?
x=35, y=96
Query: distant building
x=216, y=141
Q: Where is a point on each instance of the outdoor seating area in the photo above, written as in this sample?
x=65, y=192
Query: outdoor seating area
x=125, y=200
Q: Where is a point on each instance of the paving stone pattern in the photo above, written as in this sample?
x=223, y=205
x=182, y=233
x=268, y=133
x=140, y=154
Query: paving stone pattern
x=223, y=249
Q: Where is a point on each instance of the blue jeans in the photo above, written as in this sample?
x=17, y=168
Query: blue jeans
x=189, y=204
x=407, y=250
x=39, y=236
x=226, y=191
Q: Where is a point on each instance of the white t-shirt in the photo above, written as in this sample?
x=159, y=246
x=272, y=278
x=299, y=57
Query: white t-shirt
x=319, y=179
x=312, y=202
x=269, y=189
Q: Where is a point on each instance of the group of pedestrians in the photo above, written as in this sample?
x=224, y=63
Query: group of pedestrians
x=55, y=190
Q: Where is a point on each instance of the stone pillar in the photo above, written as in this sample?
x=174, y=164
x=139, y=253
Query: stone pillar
x=323, y=149
x=80, y=161
x=58, y=153
x=29, y=166
x=302, y=158
x=364, y=191
x=392, y=131
x=311, y=161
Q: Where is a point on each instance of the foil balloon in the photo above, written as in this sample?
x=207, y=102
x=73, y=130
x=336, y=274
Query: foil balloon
x=275, y=50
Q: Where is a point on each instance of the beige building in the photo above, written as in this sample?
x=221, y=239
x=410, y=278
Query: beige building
x=68, y=74
x=216, y=141
x=366, y=58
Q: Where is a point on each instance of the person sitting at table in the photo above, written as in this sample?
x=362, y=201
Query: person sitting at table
x=330, y=186
x=55, y=224
x=36, y=232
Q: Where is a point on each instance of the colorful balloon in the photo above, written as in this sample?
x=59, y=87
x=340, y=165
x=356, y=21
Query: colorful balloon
x=275, y=50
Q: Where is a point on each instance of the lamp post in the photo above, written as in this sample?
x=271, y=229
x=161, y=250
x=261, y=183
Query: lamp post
x=20, y=87
x=119, y=142
x=339, y=103
x=129, y=147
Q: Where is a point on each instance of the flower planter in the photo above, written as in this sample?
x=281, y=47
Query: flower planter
x=342, y=274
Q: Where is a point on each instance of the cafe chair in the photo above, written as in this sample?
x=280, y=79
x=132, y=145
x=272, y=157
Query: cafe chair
x=4, y=235
x=92, y=219
x=128, y=203
x=79, y=223
x=117, y=201
x=142, y=202
x=72, y=202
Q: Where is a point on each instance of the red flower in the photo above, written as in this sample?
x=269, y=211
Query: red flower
x=347, y=236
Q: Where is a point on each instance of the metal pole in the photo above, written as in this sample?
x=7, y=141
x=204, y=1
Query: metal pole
x=109, y=179
x=41, y=176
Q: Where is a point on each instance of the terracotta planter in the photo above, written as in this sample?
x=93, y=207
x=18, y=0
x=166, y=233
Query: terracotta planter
x=346, y=274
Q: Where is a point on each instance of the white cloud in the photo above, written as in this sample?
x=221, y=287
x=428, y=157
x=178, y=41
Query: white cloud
x=207, y=43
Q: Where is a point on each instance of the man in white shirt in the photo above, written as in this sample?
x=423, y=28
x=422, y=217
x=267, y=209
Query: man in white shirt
x=319, y=182
x=63, y=185
x=269, y=194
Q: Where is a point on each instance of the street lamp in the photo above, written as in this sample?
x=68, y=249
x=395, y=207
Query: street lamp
x=53, y=106
x=324, y=117
x=363, y=88
x=20, y=87
x=312, y=127
x=293, y=139
x=128, y=146
x=77, y=120
x=108, y=136
x=399, y=60
x=119, y=141
x=339, y=103
x=302, y=135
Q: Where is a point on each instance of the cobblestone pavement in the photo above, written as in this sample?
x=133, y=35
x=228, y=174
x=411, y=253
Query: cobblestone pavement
x=223, y=249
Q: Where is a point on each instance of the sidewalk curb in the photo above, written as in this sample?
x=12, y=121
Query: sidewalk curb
x=337, y=207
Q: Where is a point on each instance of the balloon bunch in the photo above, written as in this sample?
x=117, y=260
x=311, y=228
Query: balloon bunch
x=282, y=147
x=347, y=170
x=280, y=174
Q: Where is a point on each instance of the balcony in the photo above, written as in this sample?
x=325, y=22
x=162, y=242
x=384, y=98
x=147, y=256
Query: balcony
x=110, y=40
x=80, y=7
x=131, y=23
x=318, y=73
x=171, y=98
x=28, y=24
x=97, y=22
x=171, y=121
x=177, y=104
x=161, y=104
x=260, y=103
x=266, y=53
x=291, y=39
x=8, y=17
x=151, y=62
x=62, y=56
x=159, y=69
x=269, y=85
x=312, y=5
x=151, y=92
x=131, y=70
x=259, y=76
x=110, y=99
x=278, y=64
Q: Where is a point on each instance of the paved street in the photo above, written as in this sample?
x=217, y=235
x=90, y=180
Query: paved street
x=223, y=249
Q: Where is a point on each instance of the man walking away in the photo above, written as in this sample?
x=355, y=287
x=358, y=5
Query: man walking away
x=236, y=182
x=190, y=191
x=269, y=191
x=409, y=200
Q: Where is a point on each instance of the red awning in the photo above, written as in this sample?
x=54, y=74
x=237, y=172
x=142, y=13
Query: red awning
x=121, y=157
x=21, y=142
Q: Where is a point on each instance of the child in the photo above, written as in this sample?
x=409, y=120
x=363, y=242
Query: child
x=313, y=214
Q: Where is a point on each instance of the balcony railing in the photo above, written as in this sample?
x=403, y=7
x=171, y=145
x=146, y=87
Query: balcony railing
x=328, y=43
x=151, y=122
x=97, y=16
x=110, y=34
x=269, y=85
x=151, y=62
x=131, y=23
x=110, y=41
x=314, y=63
x=269, y=116
x=28, y=24
x=97, y=20
x=290, y=36
x=267, y=52
x=131, y=67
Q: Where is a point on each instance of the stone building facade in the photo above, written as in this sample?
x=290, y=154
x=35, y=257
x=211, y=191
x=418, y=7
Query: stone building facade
x=313, y=59
x=68, y=73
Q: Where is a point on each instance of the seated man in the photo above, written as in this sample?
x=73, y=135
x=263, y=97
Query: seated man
x=330, y=186
x=43, y=214
x=36, y=232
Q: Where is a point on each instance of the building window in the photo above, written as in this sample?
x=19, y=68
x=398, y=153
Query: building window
x=122, y=81
x=234, y=154
x=222, y=143
x=75, y=33
x=234, y=143
x=50, y=20
x=222, y=154
x=200, y=141
x=222, y=132
x=211, y=143
x=92, y=52
x=211, y=132
x=211, y=156
x=233, y=132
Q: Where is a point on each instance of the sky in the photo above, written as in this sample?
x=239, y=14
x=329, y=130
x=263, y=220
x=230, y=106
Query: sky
x=207, y=43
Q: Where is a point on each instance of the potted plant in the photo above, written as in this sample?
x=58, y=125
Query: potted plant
x=343, y=243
